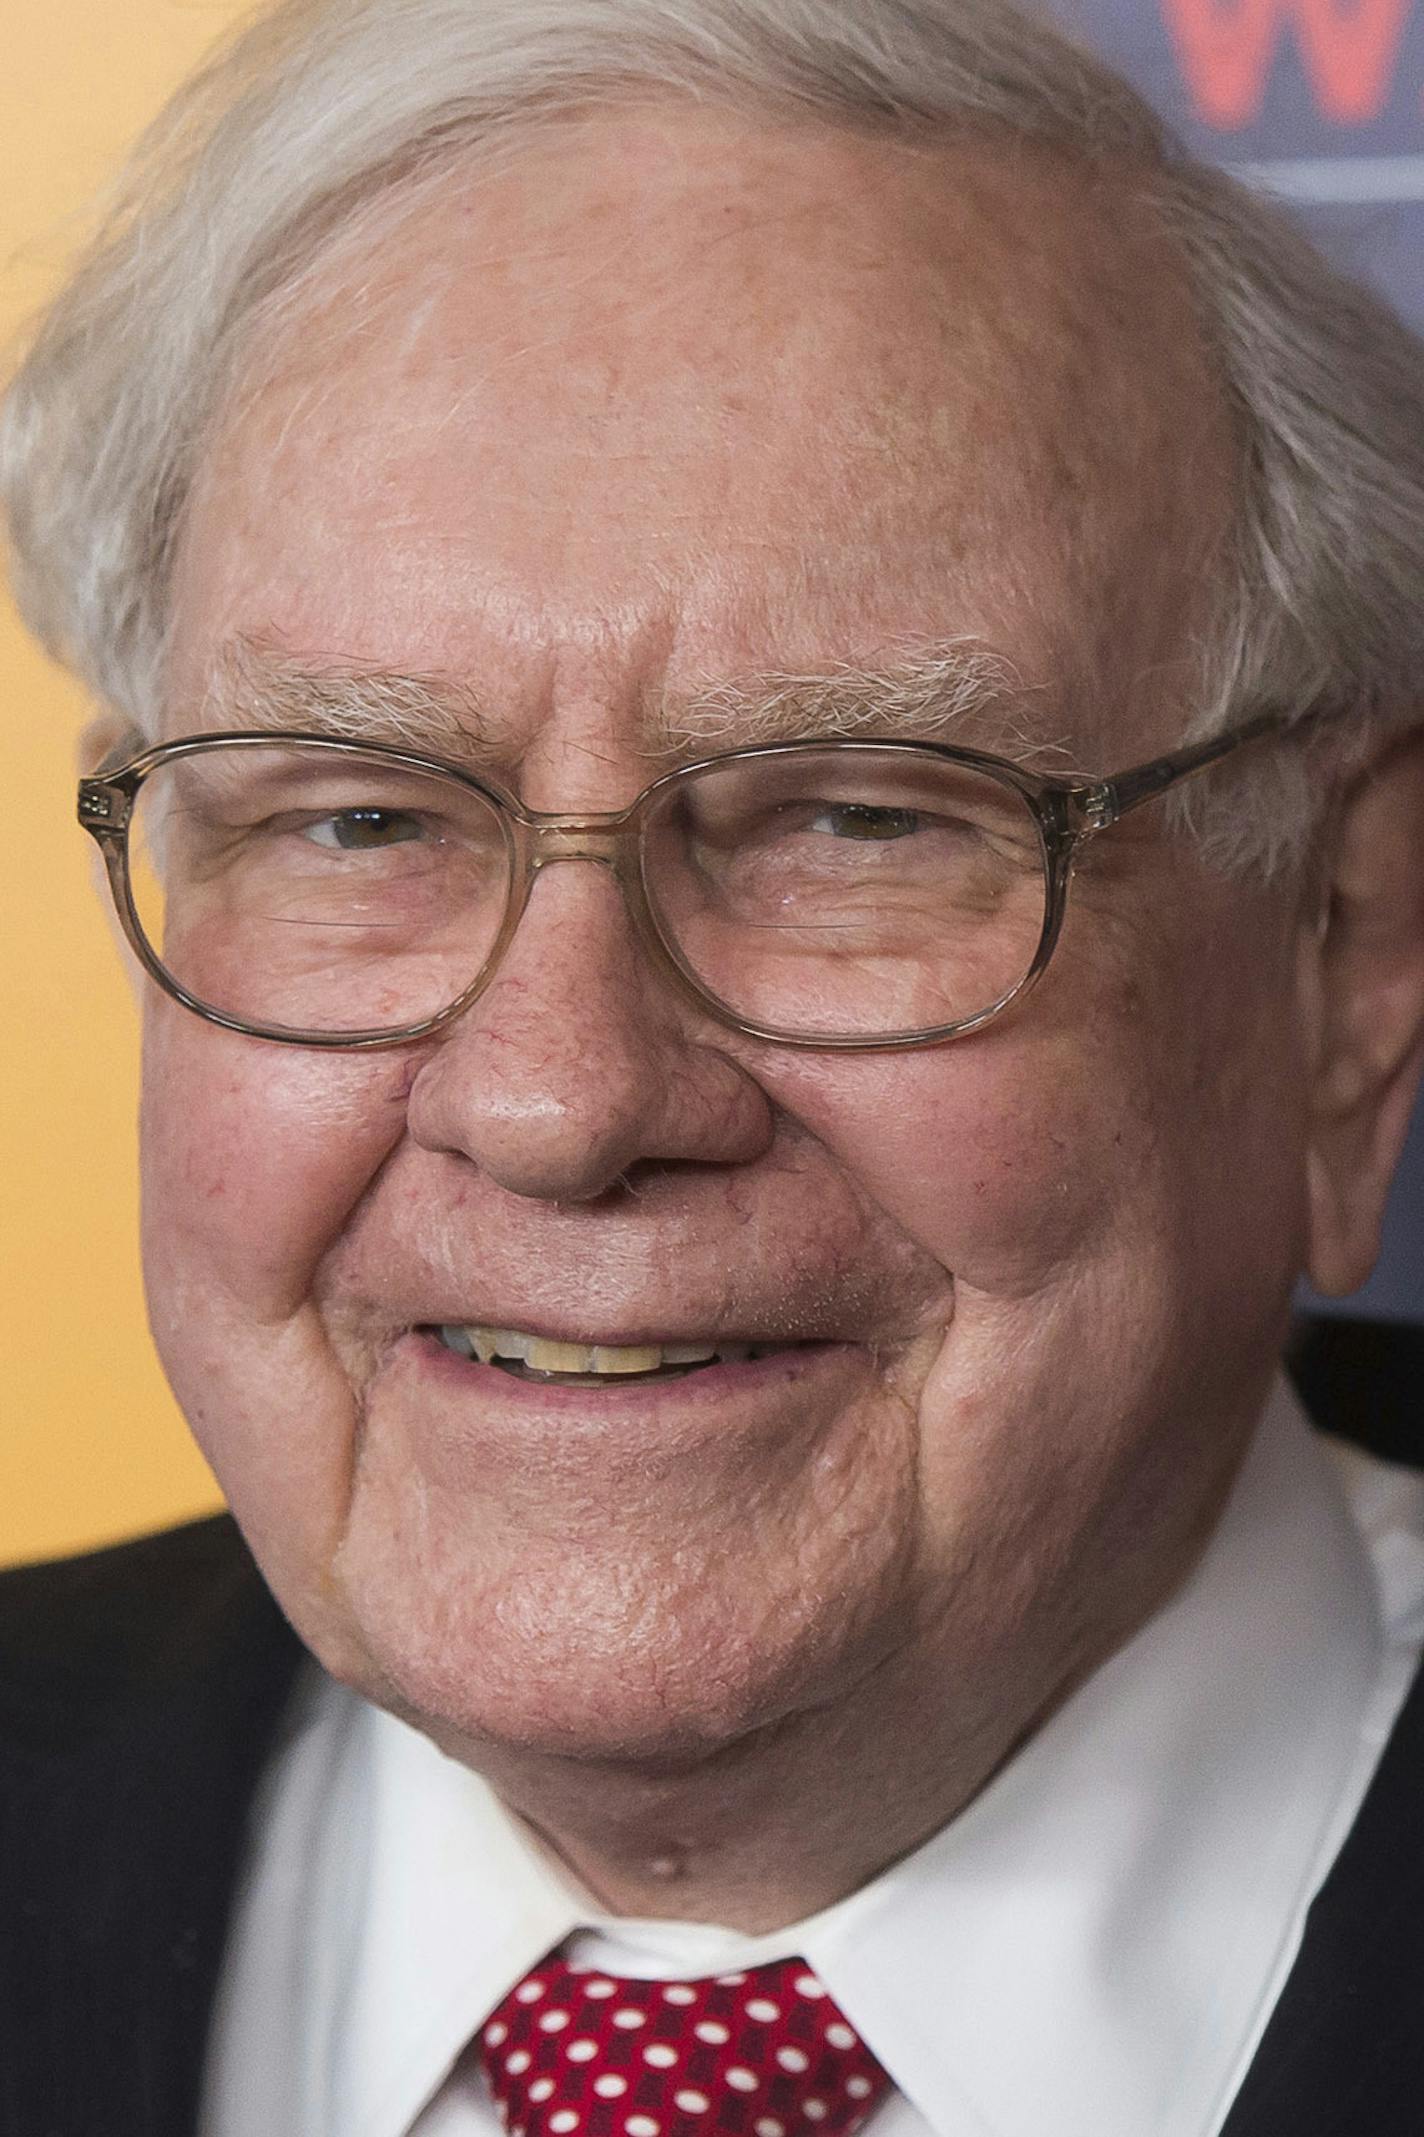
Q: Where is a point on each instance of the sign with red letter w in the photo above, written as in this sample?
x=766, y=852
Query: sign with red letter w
x=1226, y=50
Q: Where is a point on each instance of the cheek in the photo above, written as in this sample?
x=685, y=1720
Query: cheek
x=1097, y=1140
x=985, y=1153
x=253, y=1157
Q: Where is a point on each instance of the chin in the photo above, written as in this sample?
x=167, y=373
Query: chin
x=586, y=1659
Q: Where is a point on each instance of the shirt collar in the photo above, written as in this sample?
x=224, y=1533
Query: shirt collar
x=459, y=1904
x=1125, y=1899
x=1122, y=1901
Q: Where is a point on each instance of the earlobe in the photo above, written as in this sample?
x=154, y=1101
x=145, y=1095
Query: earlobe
x=1366, y=1004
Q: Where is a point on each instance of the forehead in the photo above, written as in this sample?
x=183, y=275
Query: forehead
x=662, y=397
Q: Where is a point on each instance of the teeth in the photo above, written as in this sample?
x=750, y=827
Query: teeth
x=501, y=1343
x=621, y=1358
x=546, y=1357
x=542, y=1355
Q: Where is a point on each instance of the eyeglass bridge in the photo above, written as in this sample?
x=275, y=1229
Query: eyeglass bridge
x=574, y=838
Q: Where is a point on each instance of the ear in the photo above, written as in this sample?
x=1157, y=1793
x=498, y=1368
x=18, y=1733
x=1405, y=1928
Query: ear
x=1366, y=977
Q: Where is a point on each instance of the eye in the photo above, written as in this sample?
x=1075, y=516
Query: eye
x=862, y=820
x=359, y=830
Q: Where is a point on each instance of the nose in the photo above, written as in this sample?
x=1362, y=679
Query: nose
x=580, y=1061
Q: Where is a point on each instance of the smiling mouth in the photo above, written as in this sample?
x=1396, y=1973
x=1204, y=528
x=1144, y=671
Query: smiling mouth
x=540, y=1358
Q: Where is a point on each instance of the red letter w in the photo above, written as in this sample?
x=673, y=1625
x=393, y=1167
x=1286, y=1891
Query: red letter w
x=1227, y=48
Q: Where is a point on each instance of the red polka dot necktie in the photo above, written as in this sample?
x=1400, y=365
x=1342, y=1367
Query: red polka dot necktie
x=578, y=2053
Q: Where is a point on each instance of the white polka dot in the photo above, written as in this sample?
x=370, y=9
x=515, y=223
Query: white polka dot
x=541, y=2088
x=610, y=2086
x=840, y=2036
x=641, y=2126
x=628, y=2020
x=581, y=2051
x=740, y=2079
x=762, y=2007
x=692, y=2103
x=808, y=1985
x=495, y=2034
x=814, y=2110
x=520, y=2060
x=678, y=1992
x=768, y=2126
x=566, y=2119
x=713, y=2031
x=859, y=2088
x=660, y=2055
x=529, y=1992
x=600, y=1988
x=553, y=2021
x=793, y=2059
x=731, y=1981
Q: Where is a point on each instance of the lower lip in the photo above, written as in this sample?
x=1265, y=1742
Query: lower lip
x=704, y=1384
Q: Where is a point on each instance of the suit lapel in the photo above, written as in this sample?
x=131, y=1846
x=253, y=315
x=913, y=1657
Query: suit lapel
x=120, y=1841
x=1343, y=2055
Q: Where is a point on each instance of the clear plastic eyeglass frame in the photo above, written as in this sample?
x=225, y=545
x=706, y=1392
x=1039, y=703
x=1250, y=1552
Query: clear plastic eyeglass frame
x=1069, y=811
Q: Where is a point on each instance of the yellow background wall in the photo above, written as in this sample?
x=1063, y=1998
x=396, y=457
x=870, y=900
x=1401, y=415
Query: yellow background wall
x=91, y=1444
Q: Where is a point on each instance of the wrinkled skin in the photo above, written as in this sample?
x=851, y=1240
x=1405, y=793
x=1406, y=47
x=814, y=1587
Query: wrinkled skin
x=671, y=399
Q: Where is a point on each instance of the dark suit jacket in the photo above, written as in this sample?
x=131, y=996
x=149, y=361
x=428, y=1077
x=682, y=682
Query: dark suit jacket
x=140, y=1692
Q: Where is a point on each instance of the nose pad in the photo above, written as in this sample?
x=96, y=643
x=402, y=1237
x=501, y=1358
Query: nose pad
x=593, y=907
x=604, y=840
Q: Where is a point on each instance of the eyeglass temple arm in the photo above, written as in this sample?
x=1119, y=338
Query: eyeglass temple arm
x=1107, y=800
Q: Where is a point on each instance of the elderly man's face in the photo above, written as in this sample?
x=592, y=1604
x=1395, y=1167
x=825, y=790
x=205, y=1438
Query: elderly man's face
x=666, y=401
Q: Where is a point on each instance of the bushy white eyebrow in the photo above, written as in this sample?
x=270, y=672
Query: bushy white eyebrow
x=252, y=686
x=943, y=693
x=961, y=691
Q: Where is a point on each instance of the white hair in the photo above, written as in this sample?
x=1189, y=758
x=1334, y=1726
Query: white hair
x=310, y=111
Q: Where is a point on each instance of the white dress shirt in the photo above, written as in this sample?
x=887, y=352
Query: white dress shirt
x=1091, y=1949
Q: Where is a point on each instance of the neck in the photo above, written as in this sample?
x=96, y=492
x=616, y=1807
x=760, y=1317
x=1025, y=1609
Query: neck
x=792, y=1817
x=729, y=1839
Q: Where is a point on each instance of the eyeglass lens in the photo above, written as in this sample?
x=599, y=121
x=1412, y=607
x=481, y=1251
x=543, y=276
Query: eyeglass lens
x=819, y=892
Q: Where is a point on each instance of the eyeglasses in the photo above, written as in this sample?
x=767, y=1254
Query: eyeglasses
x=831, y=894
